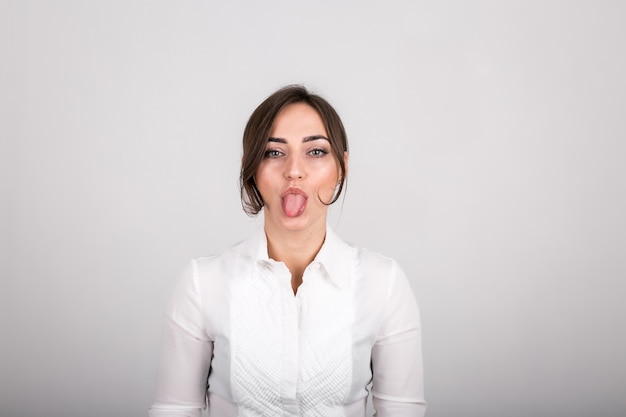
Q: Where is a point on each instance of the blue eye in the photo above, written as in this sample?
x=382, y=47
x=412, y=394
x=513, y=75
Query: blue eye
x=318, y=153
x=272, y=153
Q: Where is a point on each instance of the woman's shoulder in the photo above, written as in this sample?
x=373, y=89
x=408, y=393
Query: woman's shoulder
x=378, y=280
x=371, y=258
x=378, y=271
x=375, y=258
x=368, y=263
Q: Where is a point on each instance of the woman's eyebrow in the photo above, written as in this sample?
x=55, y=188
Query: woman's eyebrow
x=279, y=140
x=304, y=139
x=314, y=137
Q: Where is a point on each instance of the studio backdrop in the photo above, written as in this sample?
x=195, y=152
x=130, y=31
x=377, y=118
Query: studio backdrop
x=487, y=155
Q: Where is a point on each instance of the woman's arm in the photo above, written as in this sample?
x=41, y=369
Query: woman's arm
x=398, y=372
x=186, y=352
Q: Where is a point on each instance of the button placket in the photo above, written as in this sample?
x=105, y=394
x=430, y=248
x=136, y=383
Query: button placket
x=290, y=340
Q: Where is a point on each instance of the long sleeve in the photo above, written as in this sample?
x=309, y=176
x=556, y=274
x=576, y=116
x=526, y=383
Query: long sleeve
x=185, y=356
x=398, y=387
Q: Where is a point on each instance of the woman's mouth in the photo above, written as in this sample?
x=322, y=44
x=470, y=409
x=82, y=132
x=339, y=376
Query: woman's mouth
x=293, y=201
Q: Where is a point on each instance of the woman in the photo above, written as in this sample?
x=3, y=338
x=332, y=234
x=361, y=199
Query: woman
x=292, y=321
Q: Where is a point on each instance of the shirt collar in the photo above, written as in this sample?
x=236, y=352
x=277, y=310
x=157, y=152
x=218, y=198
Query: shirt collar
x=336, y=257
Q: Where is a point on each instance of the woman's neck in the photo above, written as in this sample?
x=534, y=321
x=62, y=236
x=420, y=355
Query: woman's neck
x=296, y=249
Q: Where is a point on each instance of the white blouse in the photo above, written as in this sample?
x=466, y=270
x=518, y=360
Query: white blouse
x=233, y=318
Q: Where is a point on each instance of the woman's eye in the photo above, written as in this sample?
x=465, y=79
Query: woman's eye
x=272, y=153
x=318, y=152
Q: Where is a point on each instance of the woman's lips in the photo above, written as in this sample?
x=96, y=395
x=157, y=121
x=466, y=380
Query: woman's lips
x=293, y=201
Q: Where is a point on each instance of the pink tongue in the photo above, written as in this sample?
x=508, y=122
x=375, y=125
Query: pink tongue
x=293, y=204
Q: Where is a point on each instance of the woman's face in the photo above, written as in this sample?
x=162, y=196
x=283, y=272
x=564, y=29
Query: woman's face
x=298, y=170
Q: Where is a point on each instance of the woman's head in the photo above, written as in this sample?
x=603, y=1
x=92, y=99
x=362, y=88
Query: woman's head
x=259, y=128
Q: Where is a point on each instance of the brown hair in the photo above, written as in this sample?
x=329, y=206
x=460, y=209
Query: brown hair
x=258, y=130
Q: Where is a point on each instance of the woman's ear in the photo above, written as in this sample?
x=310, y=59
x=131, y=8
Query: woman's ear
x=345, y=164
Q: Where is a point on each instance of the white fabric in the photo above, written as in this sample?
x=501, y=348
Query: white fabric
x=234, y=318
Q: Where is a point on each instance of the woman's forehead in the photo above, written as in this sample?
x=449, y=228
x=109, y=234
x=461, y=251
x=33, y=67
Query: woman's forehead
x=297, y=121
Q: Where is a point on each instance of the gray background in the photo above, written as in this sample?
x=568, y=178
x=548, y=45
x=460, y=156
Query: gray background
x=487, y=157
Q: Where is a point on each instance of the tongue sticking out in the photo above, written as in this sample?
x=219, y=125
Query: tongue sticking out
x=294, y=204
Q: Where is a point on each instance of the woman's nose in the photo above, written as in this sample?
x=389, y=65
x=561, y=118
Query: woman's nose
x=294, y=168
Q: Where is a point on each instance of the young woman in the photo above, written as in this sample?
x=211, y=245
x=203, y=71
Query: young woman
x=292, y=321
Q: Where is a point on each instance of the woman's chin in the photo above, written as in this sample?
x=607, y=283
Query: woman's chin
x=290, y=223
